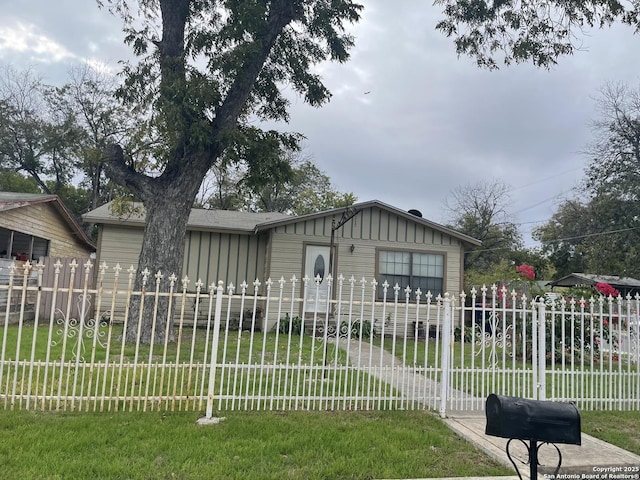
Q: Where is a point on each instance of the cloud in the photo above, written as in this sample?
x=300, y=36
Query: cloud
x=409, y=121
x=25, y=40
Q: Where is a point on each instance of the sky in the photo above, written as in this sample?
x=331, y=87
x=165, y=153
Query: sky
x=409, y=120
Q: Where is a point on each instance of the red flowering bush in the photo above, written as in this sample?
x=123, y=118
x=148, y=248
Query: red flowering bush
x=526, y=271
x=606, y=290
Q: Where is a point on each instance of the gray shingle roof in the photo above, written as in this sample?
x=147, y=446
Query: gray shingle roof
x=227, y=220
x=10, y=200
x=591, y=279
x=199, y=219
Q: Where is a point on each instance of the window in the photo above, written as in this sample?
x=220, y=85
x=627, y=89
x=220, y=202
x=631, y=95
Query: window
x=22, y=246
x=416, y=270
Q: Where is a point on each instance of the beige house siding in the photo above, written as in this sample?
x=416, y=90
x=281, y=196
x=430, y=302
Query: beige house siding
x=42, y=220
x=369, y=231
x=120, y=245
x=117, y=245
x=278, y=251
x=232, y=258
x=208, y=257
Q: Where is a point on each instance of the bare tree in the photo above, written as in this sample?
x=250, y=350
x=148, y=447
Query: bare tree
x=480, y=211
x=37, y=131
x=614, y=154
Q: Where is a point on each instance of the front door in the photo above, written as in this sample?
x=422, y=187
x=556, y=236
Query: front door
x=317, y=265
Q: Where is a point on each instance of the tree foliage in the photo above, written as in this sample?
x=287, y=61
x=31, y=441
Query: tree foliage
x=522, y=31
x=614, y=154
x=11, y=181
x=89, y=94
x=295, y=186
x=207, y=70
x=37, y=131
x=52, y=137
x=600, y=236
x=601, y=233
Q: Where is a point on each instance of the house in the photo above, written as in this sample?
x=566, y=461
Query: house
x=370, y=239
x=625, y=285
x=37, y=228
x=34, y=226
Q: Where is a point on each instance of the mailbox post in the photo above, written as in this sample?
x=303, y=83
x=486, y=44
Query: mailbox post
x=534, y=420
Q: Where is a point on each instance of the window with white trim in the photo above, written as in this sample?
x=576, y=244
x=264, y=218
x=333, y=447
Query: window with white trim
x=416, y=270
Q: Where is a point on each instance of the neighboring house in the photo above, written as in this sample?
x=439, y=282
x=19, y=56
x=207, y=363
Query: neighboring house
x=34, y=226
x=371, y=240
x=39, y=228
x=625, y=285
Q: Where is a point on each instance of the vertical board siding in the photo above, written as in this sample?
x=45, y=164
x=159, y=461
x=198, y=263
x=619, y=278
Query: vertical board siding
x=234, y=258
x=209, y=256
x=287, y=249
x=370, y=230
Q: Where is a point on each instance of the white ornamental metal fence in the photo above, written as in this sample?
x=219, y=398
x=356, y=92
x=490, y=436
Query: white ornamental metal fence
x=276, y=345
x=585, y=351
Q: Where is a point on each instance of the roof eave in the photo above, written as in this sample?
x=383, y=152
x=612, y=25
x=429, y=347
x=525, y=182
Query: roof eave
x=64, y=211
x=372, y=203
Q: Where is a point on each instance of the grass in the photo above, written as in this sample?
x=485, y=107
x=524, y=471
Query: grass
x=256, y=445
x=616, y=427
x=174, y=376
x=603, y=380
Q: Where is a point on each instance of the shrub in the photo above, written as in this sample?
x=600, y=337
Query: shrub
x=295, y=322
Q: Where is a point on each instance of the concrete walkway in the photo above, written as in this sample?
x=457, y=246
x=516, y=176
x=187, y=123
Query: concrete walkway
x=416, y=388
x=595, y=459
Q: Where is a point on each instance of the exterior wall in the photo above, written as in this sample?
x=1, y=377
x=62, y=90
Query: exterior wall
x=369, y=231
x=232, y=258
x=208, y=256
x=42, y=220
x=280, y=252
x=119, y=245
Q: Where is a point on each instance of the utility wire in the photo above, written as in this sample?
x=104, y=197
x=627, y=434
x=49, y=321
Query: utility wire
x=558, y=240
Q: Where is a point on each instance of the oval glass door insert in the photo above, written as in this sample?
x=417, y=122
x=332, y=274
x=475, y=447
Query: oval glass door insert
x=318, y=267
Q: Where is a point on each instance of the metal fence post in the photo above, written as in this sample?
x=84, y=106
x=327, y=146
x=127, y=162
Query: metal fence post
x=214, y=354
x=542, y=351
x=446, y=351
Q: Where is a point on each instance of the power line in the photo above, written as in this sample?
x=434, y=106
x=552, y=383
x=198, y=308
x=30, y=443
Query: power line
x=553, y=197
x=556, y=175
x=589, y=235
x=558, y=240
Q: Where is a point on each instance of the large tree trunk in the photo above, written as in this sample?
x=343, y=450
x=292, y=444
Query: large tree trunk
x=168, y=198
x=167, y=201
x=160, y=259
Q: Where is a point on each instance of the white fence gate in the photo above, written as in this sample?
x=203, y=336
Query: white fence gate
x=251, y=347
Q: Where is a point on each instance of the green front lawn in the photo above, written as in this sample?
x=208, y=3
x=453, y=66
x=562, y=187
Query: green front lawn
x=257, y=445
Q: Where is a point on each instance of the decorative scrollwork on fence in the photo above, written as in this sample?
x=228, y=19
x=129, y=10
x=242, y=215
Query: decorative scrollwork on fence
x=490, y=337
x=336, y=334
x=80, y=330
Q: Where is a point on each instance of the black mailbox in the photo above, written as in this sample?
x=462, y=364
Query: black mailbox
x=534, y=420
x=537, y=420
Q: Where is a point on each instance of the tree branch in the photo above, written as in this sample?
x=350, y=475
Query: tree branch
x=281, y=13
x=118, y=170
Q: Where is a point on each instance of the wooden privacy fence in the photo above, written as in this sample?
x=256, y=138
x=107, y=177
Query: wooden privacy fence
x=253, y=347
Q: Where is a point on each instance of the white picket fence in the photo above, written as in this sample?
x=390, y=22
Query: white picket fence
x=251, y=347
